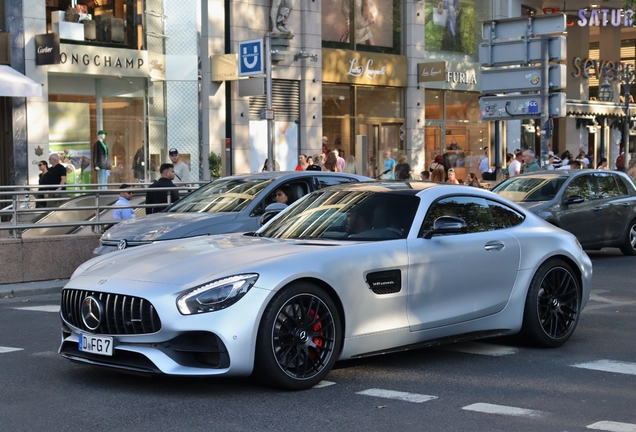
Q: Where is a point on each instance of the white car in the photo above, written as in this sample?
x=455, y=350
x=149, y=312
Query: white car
x=349, y=271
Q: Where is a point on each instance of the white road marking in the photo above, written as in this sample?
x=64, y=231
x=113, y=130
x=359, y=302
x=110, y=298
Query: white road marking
x=613, y=426
x=9, y=349
x=47, y=308
x=323, y=383
x=627, y=368
x=481, y=349
x=504, y=410
x=403, y=396
x=605, y=303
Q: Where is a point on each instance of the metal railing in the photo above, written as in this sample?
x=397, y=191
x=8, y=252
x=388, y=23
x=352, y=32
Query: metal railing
x=18, y=205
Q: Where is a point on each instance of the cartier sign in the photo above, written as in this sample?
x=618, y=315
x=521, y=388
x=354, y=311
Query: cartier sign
x=47, y=49
x=84, y=59
x=364, y=68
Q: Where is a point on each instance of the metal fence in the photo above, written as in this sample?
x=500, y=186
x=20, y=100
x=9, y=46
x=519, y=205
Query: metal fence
x=87, y=206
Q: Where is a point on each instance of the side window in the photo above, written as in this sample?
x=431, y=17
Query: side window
x=607, y=185
x=503, y=216
x=323, y=181
x=582, y=185
x=295, y=190
x=473, y=210
x=622, y=187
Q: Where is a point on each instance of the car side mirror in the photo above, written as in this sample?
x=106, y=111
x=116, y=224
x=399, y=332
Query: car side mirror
x=271, y=211
x=574, y=199
x=447, y=225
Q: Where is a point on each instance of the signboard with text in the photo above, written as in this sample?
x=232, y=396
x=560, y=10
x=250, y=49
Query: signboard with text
x=433, y=71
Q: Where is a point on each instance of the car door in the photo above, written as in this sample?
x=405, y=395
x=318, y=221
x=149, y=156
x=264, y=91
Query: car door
x=616, y=209
x=460, y=277
x=581, y=219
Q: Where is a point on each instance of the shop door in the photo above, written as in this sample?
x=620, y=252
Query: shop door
x=433, y=133
x=381, y=137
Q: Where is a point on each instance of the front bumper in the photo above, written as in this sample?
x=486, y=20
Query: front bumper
x=214, y=343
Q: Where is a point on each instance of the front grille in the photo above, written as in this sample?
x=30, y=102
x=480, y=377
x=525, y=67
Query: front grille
x=122, y=314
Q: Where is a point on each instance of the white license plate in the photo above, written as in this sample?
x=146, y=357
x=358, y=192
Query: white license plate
x=96, y=344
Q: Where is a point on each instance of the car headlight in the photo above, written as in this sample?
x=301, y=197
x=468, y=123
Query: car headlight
x=216, y=295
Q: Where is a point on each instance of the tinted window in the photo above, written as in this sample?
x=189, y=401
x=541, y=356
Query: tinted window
x=296, y=190
x=503, y=216
x=581, y=185
x=621, y=185
x=326, y=181
x=473, y=210
x=607, y=185
x=222, y=195
x=530, y=189
x=347, y=215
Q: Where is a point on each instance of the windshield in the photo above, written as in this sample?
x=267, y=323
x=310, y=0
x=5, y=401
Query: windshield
x=347, y=215
x=530, y=189
x=222, y=195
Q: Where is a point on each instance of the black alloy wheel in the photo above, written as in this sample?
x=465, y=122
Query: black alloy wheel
x=553, y=305
x=629, y=245
x=299, y=338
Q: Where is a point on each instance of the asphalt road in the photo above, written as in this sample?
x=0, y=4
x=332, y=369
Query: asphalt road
x=494, y=385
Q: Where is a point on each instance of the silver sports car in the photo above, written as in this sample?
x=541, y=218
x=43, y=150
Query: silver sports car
x=349, y=271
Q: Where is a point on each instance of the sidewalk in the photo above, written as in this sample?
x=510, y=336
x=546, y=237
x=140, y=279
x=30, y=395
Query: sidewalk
x=32, y=288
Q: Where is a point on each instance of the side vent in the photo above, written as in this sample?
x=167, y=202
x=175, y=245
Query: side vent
x=385, y=282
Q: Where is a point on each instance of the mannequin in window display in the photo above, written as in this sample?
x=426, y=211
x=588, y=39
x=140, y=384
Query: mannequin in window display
x=365, y=13
x=119, y=157
x=101, y=162
x=139, y=164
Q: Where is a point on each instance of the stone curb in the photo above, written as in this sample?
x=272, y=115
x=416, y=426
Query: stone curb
x=32, y=288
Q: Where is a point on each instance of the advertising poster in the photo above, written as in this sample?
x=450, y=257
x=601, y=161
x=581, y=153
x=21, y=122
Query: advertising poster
x=450, y=26
x=373, y=21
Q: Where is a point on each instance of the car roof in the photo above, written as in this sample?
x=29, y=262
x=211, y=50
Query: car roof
x=411, y=187
x=566, y=173
x=294, y=174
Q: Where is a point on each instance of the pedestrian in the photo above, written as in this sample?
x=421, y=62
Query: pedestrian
x=302, y=162
x=473, y=180
x=181, y=170
x=425, y=175
x=331, y=163
x=402, y=169
x=439, y=161
x=325, y=146
x=311, y=165
x=340, y=162
x=124, y=200
x=438, y=174
x=161, y=197
x=43, y=179
x=389, y=166
x=603, y=164
x=56, y=176
x=451, y=177
x=514, y=169
x=350, y=166
x=531, y=162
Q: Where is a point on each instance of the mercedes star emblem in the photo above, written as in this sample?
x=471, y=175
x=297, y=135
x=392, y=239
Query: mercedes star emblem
x=122, y=244
x=91, y=313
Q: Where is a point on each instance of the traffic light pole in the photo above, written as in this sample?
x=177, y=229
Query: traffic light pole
x=268, y=90
x=546, y=129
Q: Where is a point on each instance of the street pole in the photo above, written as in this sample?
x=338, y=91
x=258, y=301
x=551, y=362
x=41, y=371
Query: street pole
x=268, y=90
x=545, y=102
x=629, y=75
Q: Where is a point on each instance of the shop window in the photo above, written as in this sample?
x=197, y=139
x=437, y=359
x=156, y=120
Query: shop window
x=454, y=25
x=434, y=104
x=336, y=100
x=374, y=24
x=113, y=23
x=379, y=102
x=462, y=106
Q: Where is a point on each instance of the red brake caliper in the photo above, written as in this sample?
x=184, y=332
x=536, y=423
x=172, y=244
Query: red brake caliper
x=317, y=340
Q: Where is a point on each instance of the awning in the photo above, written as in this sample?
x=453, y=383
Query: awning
x=14, y=84
x=589, y=109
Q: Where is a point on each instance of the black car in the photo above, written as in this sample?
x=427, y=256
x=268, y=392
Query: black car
x=597, y=206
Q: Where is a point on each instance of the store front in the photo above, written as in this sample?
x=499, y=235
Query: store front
x=114, y=90
x=363, y=96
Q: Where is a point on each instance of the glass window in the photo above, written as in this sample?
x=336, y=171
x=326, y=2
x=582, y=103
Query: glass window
x=622, y=186
x=336, y=100
x=607, y=185
x=347, y=215
x=582, y=186
x=530, y=189
x=503, y=216
x=326, y=181
x=462, y=106
x=379, y=102
x=473, y=210
x=434, y=104
x=375, y=25
x=221, y=196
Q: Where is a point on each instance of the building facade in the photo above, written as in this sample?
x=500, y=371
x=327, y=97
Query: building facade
x=397, y=75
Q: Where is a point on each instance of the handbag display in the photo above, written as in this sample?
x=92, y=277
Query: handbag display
x=440, y=16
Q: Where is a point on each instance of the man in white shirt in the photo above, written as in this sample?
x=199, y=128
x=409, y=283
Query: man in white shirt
x=515, y=166
x=181, y=171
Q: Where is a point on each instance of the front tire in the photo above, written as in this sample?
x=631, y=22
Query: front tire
x=629, y=245
x=299, y=338
x=553, y=305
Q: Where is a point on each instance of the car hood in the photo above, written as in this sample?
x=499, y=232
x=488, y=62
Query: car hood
x=187, y=262
x=164, y=226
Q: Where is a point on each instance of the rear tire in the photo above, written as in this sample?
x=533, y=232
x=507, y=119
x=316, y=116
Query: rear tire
x=299, y=338
x=553, y=305
x=629, y=245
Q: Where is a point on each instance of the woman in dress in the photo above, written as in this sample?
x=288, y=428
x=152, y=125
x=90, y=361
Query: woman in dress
x=331, y=163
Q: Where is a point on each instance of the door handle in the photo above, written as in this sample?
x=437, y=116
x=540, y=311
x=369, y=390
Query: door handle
x=598, y=208
x=626, y=204
x=494, y=245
